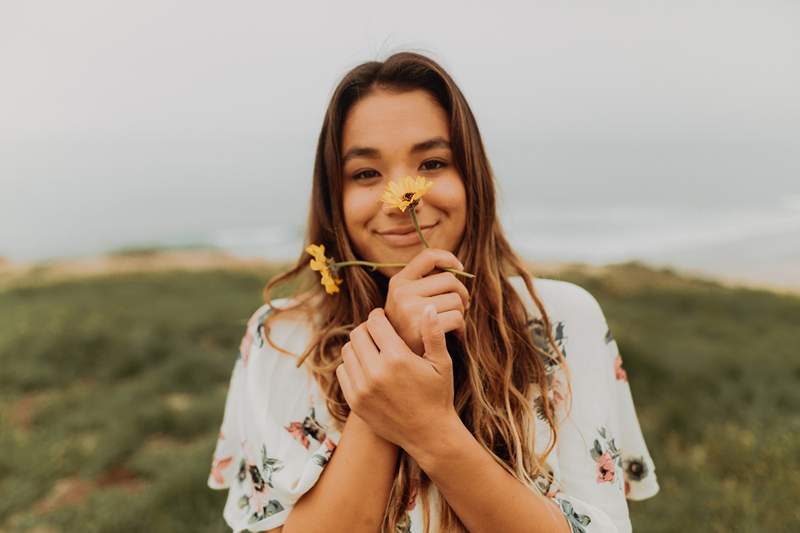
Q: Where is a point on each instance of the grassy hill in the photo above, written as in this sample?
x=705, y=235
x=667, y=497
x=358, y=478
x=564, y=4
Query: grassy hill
x=112, y=389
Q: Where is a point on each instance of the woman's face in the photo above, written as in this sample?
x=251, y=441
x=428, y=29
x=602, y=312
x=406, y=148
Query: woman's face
x=380, y=139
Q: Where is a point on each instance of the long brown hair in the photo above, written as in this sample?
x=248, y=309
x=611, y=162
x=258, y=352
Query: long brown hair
x=500, y=364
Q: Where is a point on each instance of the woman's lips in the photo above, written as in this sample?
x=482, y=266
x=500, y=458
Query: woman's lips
x=406, y=239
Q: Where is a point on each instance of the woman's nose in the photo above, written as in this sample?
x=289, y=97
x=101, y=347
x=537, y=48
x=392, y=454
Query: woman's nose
x=395, y=211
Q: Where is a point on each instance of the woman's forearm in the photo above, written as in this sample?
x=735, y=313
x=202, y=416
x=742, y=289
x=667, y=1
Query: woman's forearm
x=352, y=492
x=457, y=464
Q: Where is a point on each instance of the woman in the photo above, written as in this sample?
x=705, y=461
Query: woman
x=504, y=409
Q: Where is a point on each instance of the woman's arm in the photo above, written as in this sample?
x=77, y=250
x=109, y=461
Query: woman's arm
x=353, y=490
x=459, y=465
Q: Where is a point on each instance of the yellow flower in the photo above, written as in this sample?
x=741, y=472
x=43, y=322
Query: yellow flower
x=320, y=264
x=331, y=284
x=318, y=251
x=405, y=193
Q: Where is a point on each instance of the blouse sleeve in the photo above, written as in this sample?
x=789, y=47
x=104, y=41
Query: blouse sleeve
x=599, y=439
x=275, y=439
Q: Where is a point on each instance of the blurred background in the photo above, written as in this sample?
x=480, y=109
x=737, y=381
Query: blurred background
x=155, y=169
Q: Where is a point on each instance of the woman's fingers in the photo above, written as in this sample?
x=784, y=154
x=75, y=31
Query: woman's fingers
x=425, y=261
x=451, y=320
x=450, y=301
x=353, y=366
x=344, y=382
x=440, y=283
x=365, y=349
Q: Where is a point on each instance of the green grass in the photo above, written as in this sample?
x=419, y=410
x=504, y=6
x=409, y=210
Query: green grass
x=116, y=384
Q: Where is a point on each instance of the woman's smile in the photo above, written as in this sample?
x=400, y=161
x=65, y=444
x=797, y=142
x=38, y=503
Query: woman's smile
x=409, y=238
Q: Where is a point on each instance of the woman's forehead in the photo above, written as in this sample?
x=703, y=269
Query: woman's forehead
x=391, y=122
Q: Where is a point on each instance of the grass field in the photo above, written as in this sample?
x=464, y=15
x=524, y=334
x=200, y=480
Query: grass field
x=112, y=389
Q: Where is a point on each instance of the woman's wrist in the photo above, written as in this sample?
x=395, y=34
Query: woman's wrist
x=362, y=428
x=429, y=447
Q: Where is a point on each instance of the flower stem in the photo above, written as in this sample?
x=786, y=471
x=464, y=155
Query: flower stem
x=374, y=266
x=367, y=263
x=412, y=208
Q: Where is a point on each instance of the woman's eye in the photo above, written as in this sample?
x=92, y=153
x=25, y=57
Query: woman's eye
x=361, y=174
x=442, y=163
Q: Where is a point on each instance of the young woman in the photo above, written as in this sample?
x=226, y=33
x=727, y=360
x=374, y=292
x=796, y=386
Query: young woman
x=506, y=409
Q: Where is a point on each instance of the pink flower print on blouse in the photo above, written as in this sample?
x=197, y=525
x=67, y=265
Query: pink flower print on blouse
x=254, y=324
x=258, y=500
x=607, y=458
x=217, y=468
x=309, y=427
x=605, y=468
x=244, y=346
x=619, y=372
x=330, y=445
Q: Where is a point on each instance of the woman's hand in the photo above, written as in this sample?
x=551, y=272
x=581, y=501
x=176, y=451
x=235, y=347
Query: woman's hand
x=403, y=397
x=411, y=289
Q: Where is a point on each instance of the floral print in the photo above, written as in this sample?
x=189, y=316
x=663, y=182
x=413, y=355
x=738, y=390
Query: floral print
x=577, y=521
x=256, y=502
x=619, y=372
x=545, y=483
x=554, y=384
x=268, y=460
x=270, y=464
x=635, y=470
x=322, y=458
x=254, y=334
x=308, y=427
x=218, y=466
x=607, y=457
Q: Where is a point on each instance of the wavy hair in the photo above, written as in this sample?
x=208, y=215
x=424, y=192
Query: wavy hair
x=502, y=362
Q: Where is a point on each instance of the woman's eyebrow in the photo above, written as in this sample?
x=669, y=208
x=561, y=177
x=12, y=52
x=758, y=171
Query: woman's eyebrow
x=373, y=153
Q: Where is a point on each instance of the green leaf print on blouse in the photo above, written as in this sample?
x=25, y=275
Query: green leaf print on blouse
x=269, y=464
x=607, y=457
x=536, y=326
x=256, y=323
x=322, y=458
x=544, y=483
x=555, y=396
x=609, y=336
x=258, y=498
x=577, y=522
x=271, y=507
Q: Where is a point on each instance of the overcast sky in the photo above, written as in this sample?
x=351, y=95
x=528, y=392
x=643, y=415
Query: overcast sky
x=126, y=121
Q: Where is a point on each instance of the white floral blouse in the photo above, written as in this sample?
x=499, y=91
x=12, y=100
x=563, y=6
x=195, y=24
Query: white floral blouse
x=276, y=435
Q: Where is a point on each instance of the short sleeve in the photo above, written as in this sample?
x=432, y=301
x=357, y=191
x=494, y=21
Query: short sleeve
x=599, y=438
x=638, y=467
x=276, y=437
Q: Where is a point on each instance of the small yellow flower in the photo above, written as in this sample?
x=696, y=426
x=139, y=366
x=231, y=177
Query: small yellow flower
x=320, y=264
x=318, y=251
x=405, y=193
x=331, y=284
